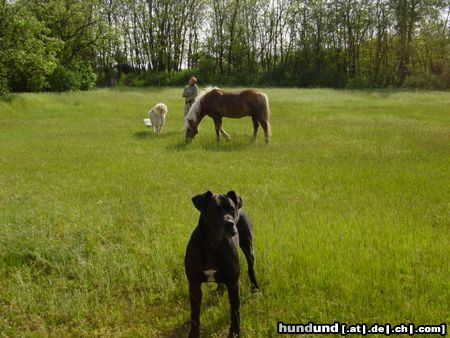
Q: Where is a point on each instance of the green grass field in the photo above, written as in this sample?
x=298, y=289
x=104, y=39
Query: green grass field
x=350, y=205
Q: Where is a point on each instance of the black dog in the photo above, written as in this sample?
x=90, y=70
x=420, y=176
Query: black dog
x=212, y=252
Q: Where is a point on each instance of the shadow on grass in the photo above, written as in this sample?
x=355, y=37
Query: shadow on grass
x=210, y=299
x=146, y=89
x=181, y=146
x=383, y=93
x=150, y=134
x=238, y=143
x=181, y=330
x=16, y=260
x=8, y=98
x=227, y=146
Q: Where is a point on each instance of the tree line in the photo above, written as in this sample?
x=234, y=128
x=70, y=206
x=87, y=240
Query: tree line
x=61, y=45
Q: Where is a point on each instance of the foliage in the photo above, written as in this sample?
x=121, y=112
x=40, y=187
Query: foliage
x=3, y=78
x=87, y=75
x=64, y=79
x=28, y=53
x=144, y=79
x=308, y=43
x=48, y=45
x=81, y=76
x=341, y=43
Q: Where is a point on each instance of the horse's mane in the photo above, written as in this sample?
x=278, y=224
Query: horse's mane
x=194, y=111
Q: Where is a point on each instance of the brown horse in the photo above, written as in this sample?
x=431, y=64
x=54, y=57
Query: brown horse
x=217, y=104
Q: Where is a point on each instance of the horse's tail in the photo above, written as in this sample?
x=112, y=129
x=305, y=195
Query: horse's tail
x=266, y=101
x=267, y=111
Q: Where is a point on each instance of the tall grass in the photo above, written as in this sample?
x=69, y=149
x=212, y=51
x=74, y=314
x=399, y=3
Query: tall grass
x=349, y=204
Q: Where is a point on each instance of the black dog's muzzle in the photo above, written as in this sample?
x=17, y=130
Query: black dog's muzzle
x=230, y=229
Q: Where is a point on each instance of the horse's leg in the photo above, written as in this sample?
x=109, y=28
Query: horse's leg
x=218, y=125
x=255, y=127
x=266, y=127
x=224, y=133
x=219, y=129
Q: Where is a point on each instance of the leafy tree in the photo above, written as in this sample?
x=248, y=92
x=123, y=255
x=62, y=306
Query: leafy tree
x=28, y=52
x=66, y=44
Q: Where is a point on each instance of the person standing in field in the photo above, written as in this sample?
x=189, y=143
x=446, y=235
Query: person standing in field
x=189, y=94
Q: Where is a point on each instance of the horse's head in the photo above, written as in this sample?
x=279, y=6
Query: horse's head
x=190, y=131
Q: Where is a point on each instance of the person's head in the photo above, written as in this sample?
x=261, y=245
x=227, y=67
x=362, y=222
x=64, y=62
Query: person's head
x=192, y=81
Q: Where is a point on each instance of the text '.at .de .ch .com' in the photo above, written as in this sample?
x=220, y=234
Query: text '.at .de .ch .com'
x=361, y=329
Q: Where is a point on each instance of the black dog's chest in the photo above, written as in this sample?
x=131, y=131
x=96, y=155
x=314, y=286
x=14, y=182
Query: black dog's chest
x=214, y=274
x=210, y=275
x=217, y=265
x=210, y=266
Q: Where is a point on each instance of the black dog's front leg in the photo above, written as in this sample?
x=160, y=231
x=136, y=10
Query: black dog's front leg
x=195, y=298
x=233, y=296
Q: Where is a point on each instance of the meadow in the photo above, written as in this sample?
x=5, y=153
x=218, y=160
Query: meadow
x=350, y=206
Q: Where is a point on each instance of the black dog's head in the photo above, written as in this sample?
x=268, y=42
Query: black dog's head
x=220, y=214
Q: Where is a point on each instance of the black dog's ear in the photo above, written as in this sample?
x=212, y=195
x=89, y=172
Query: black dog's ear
x=235, y=198
x=201, y=200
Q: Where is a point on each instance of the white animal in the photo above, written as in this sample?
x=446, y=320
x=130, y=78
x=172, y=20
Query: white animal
x=156, y=117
